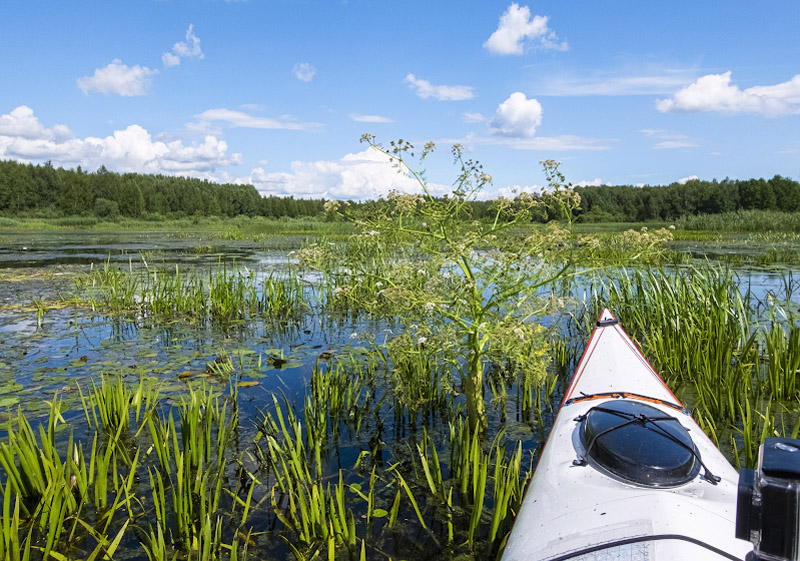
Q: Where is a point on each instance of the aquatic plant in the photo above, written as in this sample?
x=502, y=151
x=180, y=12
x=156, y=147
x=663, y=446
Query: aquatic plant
x=471, y=279
x=692, y=324
x=223, y=295
x=782, y=340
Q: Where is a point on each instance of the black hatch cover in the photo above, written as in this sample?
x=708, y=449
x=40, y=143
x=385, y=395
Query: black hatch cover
x=639, y=443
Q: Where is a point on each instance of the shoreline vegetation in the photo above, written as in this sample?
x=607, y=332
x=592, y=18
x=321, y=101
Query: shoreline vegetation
x=76, y=197
x=444, y=342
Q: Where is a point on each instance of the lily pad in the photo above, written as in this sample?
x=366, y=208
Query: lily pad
x=10, y=388
x=9, y=401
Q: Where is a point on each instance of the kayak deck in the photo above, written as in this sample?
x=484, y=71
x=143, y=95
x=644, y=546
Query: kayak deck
x=581, y=511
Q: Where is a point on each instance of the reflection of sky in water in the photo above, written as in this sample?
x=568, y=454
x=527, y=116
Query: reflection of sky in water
x=41, y=249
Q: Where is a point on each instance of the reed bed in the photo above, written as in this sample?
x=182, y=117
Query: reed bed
x=139, y=470
x=71, y=499
x=742, y=221
x=219, y=295
x=732, y=357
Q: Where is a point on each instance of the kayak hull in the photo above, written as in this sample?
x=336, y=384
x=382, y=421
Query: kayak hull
x=578, y=510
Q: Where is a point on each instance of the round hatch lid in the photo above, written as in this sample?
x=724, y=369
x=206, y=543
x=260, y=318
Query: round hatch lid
x=639, y=443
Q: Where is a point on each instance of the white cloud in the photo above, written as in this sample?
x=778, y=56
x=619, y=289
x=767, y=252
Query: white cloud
x=714, y=92
x=22, y=123
x=561, y=143
x=663, y=82
x=671, y=144
x=514, y=190
x=365, y=175
x=119, y=79
x=24, y=138
x=669, y=140
x=540, y=143
x=517, y=31
x=240, y=119
x=425, y=89
x=517, y=117
x=473, y=118
x=685, y=180
x=370, y=118
x=596, y=182
x=304, y=71
x=190, y=48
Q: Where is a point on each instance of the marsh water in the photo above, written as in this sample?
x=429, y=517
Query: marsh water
x=54, y=341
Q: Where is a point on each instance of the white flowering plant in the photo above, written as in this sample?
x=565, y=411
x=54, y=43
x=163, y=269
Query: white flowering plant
x=479, y=286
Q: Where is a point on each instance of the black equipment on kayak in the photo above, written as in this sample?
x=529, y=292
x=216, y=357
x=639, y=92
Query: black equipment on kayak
x=639, y=444
x=768, y=503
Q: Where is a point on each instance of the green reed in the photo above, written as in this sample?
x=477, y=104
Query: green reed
x=223, y=294
x=693, y=324
x=56, y=495
x=419, y=375
x=335, y=394
x=472, y=470
x=733, y=358
x=742, y=221
x=782, y=341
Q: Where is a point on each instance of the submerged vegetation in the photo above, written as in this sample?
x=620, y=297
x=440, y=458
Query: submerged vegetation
x=379, y=396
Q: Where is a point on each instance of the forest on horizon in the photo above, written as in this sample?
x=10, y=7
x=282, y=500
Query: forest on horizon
x=45, y=191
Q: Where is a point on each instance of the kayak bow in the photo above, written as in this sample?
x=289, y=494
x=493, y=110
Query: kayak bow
x=626, y=472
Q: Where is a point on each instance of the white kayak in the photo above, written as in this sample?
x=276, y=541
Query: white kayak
x=626, y=473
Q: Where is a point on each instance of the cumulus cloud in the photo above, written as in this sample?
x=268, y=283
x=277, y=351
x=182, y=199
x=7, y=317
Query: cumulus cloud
x=515, y=190
x=518, y=31
x=22, y=123
x=361, y=176
x=304, y=71
x=119, y=79
x=517, y=117
x=188, y=48
x=425, y=89
x=234, y=118
x=714, y=92
x=596, y=182
x=370, y=118
x=24, y=138
x=685, y=180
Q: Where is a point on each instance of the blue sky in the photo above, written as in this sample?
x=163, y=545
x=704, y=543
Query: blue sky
x=277, y=93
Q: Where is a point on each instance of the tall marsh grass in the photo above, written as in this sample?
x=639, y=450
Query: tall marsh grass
x=742, y=221
x=732, y=357
x=221, y=294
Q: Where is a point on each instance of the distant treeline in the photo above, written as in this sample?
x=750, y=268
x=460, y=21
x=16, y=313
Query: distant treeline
x=638, y=204
x=48, y=191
